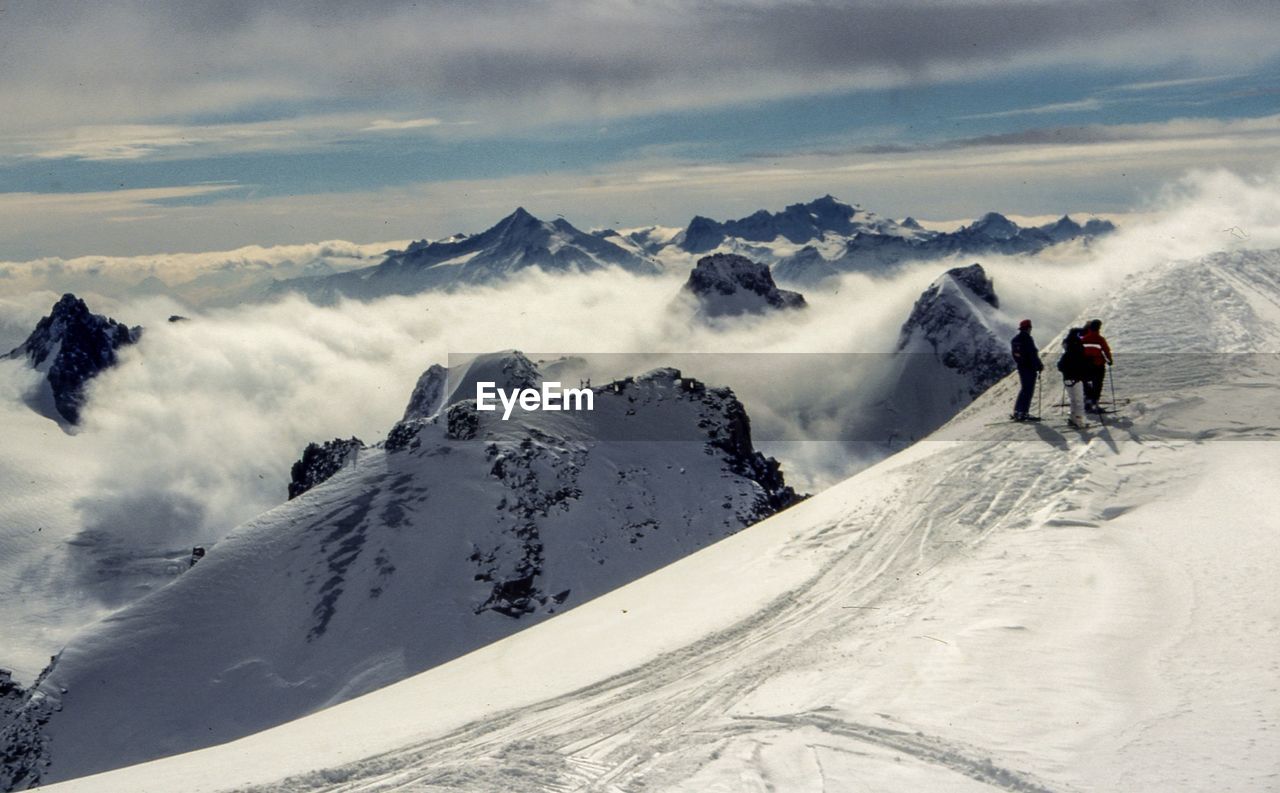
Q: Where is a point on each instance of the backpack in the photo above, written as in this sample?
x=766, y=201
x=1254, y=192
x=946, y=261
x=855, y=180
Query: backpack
x=1072, y=361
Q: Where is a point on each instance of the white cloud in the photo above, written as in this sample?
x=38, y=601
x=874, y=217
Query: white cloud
x=389, y=125
x=1078, y=106
x=196, y=429
x=107, y=142
x=520, y=63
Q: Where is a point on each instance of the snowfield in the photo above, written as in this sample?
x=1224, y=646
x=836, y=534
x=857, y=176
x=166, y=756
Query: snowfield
x=1002, y=606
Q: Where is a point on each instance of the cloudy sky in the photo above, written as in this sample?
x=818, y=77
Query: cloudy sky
x=135, y=127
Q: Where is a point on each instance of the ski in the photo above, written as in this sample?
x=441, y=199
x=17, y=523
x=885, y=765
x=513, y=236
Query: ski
x=1011, y=420
x=1116, y=404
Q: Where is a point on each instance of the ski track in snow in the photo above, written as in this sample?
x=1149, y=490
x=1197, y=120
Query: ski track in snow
x=1015, y=611
x=631, y=727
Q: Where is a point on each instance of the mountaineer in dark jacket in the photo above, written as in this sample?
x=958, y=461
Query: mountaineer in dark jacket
x=1075, y=368
x=1027, y=358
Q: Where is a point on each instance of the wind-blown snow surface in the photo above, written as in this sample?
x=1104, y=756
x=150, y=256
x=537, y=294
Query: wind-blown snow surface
x=1005, y=607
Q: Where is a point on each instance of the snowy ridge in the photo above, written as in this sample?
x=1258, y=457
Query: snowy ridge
x=516, y=242
x=1023, y=608
x=456, y=532
x=879, y=250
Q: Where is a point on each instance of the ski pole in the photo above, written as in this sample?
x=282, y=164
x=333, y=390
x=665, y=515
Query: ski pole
x=1039, y=397
x=1112, y=379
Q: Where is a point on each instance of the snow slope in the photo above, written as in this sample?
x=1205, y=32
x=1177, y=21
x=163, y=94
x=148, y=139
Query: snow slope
x=1000, y=607
x=454, y=533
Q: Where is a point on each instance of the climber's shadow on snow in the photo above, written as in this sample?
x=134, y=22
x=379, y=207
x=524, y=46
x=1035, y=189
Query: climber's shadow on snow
x=1051, y=436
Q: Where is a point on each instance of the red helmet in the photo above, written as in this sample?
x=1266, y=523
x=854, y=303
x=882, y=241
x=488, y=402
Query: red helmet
x=1024, y=324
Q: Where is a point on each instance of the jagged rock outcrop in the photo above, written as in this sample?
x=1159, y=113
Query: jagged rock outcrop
x=953, y=346
x=319, y=462
x=72, y=345
x=24, y=746
x=428, y=393
x=949, y=320
x=726, y=284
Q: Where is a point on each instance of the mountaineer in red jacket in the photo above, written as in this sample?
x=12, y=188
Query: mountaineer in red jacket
x=1097, y=354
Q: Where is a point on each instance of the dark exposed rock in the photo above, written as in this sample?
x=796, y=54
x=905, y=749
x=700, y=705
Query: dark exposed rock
x=733, y=437
x=320, y=462
x=726, y=284
x=24, y=745
x=73, y=345
x=944, y=323
x=796, y=223
x=428, y=394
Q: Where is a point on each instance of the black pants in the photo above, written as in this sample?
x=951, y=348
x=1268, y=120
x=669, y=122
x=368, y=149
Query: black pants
x=1023, y=402
x=1093, y=384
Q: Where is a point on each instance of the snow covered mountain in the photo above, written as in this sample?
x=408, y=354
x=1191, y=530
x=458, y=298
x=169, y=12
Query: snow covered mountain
x=952, y=348
x=797, y=223
x=955, y=321
x=516, y=242
x=459, y=530
x=873, y=251
x=725, y=284
x=808, y=243
x=1008, y=607
x=71, y=346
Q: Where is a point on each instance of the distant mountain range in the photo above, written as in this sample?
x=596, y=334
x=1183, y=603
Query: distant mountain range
x=872, y=251
x=518, y=241
x=804, y=243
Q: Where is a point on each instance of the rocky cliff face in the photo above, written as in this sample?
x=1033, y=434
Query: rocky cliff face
x=955, y=320
x=320, y=462
x=728, y=285
x=72, y=346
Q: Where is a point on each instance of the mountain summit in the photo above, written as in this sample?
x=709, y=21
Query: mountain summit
x=726, y=284
x=515, y=243
x=72, y=345
x=797, y=223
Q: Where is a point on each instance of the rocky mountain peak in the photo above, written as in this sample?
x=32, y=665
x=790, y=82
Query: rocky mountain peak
x=994, y=226
x=975, y=279
x=957, y=320
x=72, y=345
x=727, y=284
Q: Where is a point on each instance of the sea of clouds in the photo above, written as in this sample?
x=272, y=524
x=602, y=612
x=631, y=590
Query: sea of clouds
x=195, y=430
